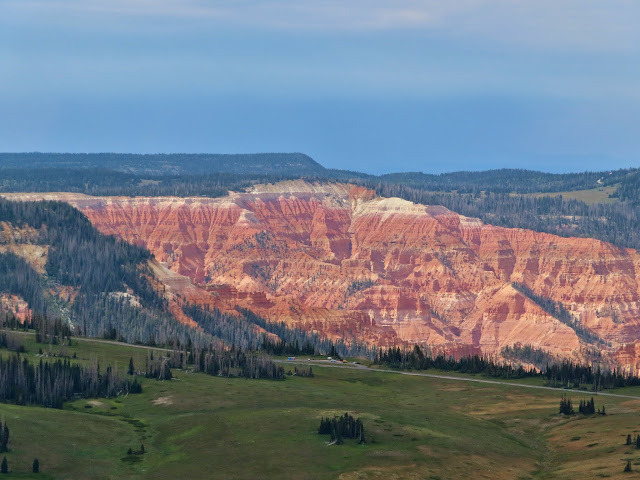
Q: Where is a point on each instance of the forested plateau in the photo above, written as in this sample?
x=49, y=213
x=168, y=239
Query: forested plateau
x=601, y=205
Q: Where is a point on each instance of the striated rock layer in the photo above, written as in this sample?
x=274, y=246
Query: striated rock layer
x=338, y=259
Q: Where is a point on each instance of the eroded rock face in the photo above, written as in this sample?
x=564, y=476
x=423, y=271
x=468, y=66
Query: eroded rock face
x=338, y=259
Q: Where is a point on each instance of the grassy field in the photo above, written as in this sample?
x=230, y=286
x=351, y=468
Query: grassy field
x=198, y=426
x=591, y=196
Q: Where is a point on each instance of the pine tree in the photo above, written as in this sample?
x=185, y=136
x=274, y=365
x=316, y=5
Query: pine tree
x=566, y=406
x=4, y=468
x=36, y=466
x=627, y=467
x=131, y=369
x=362, y=439
x=4, y=437
x=638, y=441
x=628, y=440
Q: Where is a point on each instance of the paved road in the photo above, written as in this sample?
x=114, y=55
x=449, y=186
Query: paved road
x=326, y=364
x=111, y=342
x=97, y=340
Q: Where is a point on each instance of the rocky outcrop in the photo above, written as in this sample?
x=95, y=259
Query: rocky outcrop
x=339, y=259
x=14, y=304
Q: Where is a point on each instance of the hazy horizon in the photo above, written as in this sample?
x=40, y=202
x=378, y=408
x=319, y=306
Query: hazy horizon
x=416, y=85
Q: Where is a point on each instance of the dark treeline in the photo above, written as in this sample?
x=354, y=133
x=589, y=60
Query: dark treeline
x=98, y=181
x=50, y=384
x=574, y=375
x=505, y=181
x=565, y=374
x=232, y=362
x=586, y=407
x=166, y=163
x=416, y=359
x=101, y=182
x=236, y=363
x=557, y=310
x=566, y=406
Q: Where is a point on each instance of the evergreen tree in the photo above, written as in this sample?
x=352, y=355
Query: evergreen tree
x=362, y=439
x=566, y=408
x=627, y=467
x=36, y=466
x=628, y=440
x=131, y=369
x=135, y=387
x=4, y=437
x=4, y=468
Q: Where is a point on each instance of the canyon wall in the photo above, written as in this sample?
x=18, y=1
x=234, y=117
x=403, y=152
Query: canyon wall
x=338, y=259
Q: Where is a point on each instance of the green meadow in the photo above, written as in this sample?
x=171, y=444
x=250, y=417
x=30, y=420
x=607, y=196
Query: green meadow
x=198, y=426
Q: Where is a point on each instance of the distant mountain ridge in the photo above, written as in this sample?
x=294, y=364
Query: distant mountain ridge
x=167, y=163
x=295, y=165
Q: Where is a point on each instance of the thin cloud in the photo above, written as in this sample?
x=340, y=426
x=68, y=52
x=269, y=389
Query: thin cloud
x=152, y=8
x=598, y=24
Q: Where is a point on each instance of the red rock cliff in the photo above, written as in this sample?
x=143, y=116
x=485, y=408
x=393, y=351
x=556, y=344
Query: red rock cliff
x=338, y=259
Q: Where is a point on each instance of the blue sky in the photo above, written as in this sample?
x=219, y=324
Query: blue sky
x=368, y=85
